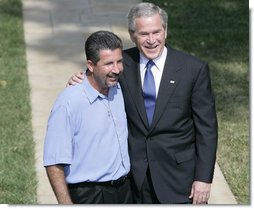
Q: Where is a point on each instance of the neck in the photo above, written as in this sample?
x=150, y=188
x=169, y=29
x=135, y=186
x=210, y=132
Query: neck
x=104, y=91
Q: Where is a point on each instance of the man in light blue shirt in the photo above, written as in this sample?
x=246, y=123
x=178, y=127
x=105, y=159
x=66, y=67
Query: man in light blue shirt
x=86, y=150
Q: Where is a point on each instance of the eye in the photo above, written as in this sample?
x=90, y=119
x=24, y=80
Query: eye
x=142, y=34
x=157, y=32
x=108, y=64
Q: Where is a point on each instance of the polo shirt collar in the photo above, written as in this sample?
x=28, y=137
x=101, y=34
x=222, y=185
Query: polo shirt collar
x=93, y=94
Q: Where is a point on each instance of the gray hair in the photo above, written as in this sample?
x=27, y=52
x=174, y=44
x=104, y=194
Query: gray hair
x=101, y=40
x=146, y=10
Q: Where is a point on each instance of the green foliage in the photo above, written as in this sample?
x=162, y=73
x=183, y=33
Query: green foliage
x=17, y=173
x=218, y=31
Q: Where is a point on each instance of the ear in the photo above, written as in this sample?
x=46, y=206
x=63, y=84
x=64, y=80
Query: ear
x=131, y=33
x=90, y=65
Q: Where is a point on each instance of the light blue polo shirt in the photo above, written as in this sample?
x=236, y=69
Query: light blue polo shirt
x=87, y=132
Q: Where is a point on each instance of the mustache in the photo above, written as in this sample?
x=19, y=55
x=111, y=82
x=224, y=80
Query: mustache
x=113, y=75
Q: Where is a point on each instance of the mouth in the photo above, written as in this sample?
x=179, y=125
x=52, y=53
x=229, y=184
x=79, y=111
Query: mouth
x=112, y=81
x=151, y=47
x=113, y=78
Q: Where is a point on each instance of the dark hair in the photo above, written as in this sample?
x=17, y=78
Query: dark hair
x=101, y=40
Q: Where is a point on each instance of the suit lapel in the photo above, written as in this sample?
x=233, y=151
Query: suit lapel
x=131, y=70
x=170, y=79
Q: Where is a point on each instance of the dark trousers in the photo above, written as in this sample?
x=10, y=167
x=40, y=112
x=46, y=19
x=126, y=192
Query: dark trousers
x=147, y=194
x=92, y=193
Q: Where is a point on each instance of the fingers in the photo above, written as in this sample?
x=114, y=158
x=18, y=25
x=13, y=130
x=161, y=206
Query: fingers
x=201, y=197
x=200, y=192
x=77, y=78
x=72, y=81
x=192, y=193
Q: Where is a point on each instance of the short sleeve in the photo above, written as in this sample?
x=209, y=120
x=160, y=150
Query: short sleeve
x=58, y=139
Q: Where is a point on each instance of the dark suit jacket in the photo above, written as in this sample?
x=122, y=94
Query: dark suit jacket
x=180, y=146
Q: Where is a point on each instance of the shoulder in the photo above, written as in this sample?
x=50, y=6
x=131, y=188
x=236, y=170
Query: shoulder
x=69, y=95
x=184, y=58
x=131, y=54
x=131, y=51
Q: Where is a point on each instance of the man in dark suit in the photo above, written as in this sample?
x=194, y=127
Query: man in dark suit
x=173, y=148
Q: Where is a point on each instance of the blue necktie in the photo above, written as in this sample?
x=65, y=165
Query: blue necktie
x=149, y=91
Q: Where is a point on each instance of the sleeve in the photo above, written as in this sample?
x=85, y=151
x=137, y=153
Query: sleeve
x=58, y=139
x=205, y=120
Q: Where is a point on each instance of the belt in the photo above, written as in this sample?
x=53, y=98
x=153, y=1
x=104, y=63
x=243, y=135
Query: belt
x=113, y=183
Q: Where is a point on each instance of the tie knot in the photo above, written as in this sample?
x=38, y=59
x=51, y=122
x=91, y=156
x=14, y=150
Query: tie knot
x=150, y=64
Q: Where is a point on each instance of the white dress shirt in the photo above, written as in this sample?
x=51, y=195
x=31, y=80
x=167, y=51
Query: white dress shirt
x=157, y=69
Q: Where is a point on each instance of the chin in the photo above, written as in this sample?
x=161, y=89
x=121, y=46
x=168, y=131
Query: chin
x=151, y=55
x=112, y=84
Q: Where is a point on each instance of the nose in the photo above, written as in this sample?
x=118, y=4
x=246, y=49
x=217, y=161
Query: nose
x=117, y=68
x=151, y=38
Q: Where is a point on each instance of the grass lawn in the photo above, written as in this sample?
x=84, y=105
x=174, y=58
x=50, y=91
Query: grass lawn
x=218, y=31
x=17, y=173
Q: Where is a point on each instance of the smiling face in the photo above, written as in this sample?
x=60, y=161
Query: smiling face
x=105, y=73
x=149, y=36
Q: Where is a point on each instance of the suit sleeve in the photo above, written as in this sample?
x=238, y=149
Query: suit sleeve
x=206, y=128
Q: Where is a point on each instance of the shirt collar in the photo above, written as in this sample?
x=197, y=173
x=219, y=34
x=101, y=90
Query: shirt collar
x=93, y=94
x=159, y=61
